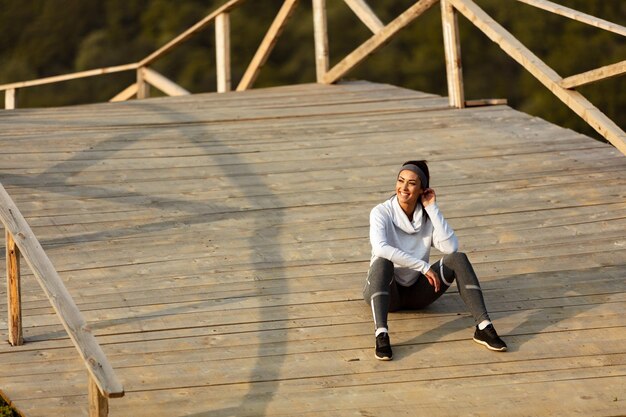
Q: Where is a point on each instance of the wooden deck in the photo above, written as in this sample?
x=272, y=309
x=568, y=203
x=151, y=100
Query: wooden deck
x=217, y=245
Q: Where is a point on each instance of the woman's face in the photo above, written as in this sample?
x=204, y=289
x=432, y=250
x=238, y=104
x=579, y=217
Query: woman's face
x=408, y=189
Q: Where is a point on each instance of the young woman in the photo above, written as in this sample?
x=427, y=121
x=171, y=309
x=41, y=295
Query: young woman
x=402, y=230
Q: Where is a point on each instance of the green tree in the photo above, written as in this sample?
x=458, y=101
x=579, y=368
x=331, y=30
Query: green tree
x=37, y=41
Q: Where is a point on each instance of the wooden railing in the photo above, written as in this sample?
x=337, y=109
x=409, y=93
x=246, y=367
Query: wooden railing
x=21, y=242
x=563, y=88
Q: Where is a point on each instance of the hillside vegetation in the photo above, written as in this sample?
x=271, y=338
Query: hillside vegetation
x=40, y=38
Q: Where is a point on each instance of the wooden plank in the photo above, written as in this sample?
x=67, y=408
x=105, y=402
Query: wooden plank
x=366, y=14
x=126, y=94
x=334, y=365
x=452, y=47
x=376, y=41
x=222, y=51
x=608, y=71
x=143, y=88
x=10, y=99
x=68, y=77
x=225, y=8
x=546, y=75
x=75, y=325
x=320, y=27
x=576, y=15
x=267, y=44
x=98, y=404
x=14, y=294
x=162, y=83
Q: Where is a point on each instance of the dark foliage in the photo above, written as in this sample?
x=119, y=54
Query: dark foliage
x=42, y=38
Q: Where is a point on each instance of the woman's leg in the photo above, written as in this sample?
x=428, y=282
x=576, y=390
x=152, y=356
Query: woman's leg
x=381, y=292
x=457, y=266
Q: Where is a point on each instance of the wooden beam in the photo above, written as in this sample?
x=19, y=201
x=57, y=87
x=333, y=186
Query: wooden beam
x=320, y=26
x=98, y=403
x=143, y=88
x=126, y=94
x=452, y=47
x=70, y=317
x=264, y=50
x=14, y=294
x=188, y=33
x=164, y=84
x=546, y=75
x=376, y=41
x=68, y=77
x=222, y=51
x=592, y=76
x=366, y=14
x=576, y=15
x=10, y=99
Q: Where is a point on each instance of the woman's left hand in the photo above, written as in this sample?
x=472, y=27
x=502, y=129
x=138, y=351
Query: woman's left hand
x=428, y=197
x=433, y=279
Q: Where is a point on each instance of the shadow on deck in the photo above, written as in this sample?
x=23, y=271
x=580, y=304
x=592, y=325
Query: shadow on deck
x=217, y=245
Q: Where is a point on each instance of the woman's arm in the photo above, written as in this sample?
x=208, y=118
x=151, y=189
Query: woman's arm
x=444, y=238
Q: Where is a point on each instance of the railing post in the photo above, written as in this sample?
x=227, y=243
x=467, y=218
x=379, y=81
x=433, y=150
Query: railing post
x=222, y=52
x=452, y=46
x=10, y=99
x=143, y=88
x=98, y=403
x=321, y=39
x=14, y=297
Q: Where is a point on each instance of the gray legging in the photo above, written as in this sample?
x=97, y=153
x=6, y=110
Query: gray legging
x=383, y=294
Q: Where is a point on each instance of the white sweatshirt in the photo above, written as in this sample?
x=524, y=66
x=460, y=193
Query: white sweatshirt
x=405, y=243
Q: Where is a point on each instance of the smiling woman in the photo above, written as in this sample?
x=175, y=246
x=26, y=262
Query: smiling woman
x=402, y=231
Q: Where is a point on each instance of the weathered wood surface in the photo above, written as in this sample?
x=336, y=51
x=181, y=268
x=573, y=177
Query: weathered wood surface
x=608, y=71
x=222, y=52
x=217, y=246
x=14, y=298
x=67, y=313
x=542, y=72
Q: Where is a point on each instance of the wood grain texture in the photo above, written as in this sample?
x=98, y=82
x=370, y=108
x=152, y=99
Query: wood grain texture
x=546, y=75
x=14, y=292
x=592, y=76
x=63, y=304
x=222, y=52
x=217, y=245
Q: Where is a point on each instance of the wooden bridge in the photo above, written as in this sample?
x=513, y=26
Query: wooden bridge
x=216, y=246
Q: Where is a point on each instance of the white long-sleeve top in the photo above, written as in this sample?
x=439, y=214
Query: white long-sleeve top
x=407, y=243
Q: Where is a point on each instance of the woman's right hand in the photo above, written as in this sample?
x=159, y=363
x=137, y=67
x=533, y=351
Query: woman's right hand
x=428, y=197
x=433, y=279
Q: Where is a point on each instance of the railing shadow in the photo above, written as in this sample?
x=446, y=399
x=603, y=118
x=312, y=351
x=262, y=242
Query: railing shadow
x=198, y=213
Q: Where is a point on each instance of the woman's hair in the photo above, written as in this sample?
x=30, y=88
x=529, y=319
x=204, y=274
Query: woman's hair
x=421, y=165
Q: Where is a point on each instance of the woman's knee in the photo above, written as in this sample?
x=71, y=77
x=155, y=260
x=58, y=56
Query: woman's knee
x=379, y=275
x=456, y=258
x=381, y=267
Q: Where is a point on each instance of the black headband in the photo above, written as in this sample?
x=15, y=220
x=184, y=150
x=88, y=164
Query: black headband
x=414, y=168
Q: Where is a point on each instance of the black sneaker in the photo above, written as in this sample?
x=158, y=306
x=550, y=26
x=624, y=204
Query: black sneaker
x=489, y=338
x=383, y=347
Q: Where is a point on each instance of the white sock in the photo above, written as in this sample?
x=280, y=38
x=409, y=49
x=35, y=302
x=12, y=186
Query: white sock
x=381, y=330
x=483, y=324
